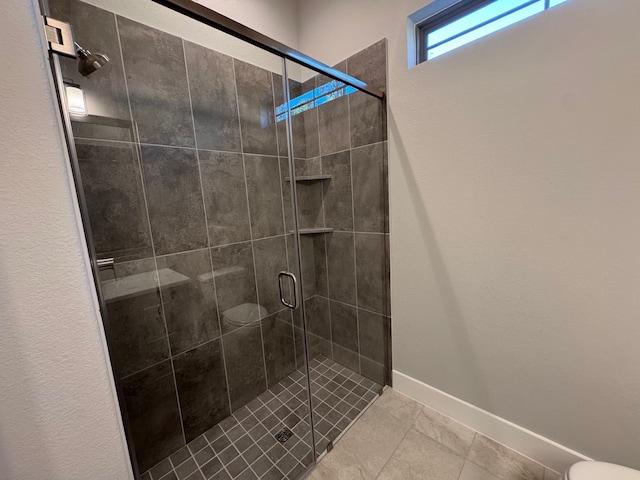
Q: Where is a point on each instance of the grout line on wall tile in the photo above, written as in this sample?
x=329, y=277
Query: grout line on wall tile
x=324, y=218
x=153, y=248
x=146, y=144
x=353, y=219
x=246, y=185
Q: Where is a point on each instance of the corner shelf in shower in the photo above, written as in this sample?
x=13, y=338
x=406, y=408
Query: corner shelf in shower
x=313, y=231
x=309, y=178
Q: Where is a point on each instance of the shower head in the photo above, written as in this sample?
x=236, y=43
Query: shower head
x=90, y=62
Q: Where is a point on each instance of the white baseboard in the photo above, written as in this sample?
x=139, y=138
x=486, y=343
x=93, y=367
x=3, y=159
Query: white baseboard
x=528, y=443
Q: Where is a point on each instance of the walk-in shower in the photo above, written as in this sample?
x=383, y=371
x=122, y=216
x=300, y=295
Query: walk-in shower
x=236, y=212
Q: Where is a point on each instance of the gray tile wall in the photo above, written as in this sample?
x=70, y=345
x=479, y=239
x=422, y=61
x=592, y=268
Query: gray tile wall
x=346, y=273
x=196, y=215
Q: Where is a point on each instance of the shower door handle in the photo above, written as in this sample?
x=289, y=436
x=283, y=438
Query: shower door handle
x=293, y=279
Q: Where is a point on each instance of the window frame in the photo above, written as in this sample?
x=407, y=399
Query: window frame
x=454, y=10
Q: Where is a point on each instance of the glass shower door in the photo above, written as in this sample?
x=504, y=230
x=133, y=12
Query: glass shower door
x=340, y=177
x=183, y=171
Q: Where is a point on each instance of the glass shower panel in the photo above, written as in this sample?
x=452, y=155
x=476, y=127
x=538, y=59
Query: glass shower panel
x=340, y=175
x=184, y=171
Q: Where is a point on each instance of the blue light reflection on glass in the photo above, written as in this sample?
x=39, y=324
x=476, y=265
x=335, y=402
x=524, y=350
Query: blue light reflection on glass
x=484, y=14
x=314, y=98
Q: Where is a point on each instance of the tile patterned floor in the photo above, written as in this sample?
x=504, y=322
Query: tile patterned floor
x=399, y=439
x=243, y=446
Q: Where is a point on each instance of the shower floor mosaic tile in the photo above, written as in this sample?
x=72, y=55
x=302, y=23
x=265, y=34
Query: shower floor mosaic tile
x=244, y=445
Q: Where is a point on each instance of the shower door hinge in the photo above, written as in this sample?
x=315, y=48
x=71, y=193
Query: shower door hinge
x=60, y=37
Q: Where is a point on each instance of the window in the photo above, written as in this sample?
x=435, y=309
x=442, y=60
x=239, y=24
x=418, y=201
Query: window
x=445, y=25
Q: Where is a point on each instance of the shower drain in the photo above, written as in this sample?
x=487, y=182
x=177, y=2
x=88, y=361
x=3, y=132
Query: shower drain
x=284, y=435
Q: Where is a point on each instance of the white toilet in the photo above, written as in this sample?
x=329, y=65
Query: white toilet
x=600, y=471
x=243, y=315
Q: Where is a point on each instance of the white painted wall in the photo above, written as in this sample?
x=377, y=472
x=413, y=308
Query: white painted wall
x=515, y=192
x=59, y=418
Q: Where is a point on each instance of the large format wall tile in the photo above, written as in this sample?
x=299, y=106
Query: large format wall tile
x=333, y=120
x=115, y=199
x=370, y=65
x=174, y=199
x=372, y=272
x=235, y=285
x=154, y=418
x=346, y=357
x=374, y=336
x=286, y=193
x=344, y=325
x=310, y=119
x=281, y=126
x=318, y=346
x=136, y=327
x=105, y=92
x=213, y=98
x=310, y=208
x=314, y=264
x=297, y=122
x=157, y=80
x=257, y=111
x=367, y=113
x=320, y=264
x=342, y=275
x=265, y=195
x=279, y=350
x=245, y=365
x=270, y=258
x=202, y=390
x=225, y=197
x=337, y=191
x=378, y=372
x=370, y=193
x=318, y=320
x=298, y=342
x=189, y=299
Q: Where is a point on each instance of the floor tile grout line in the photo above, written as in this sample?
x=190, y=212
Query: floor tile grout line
x=394, y=452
